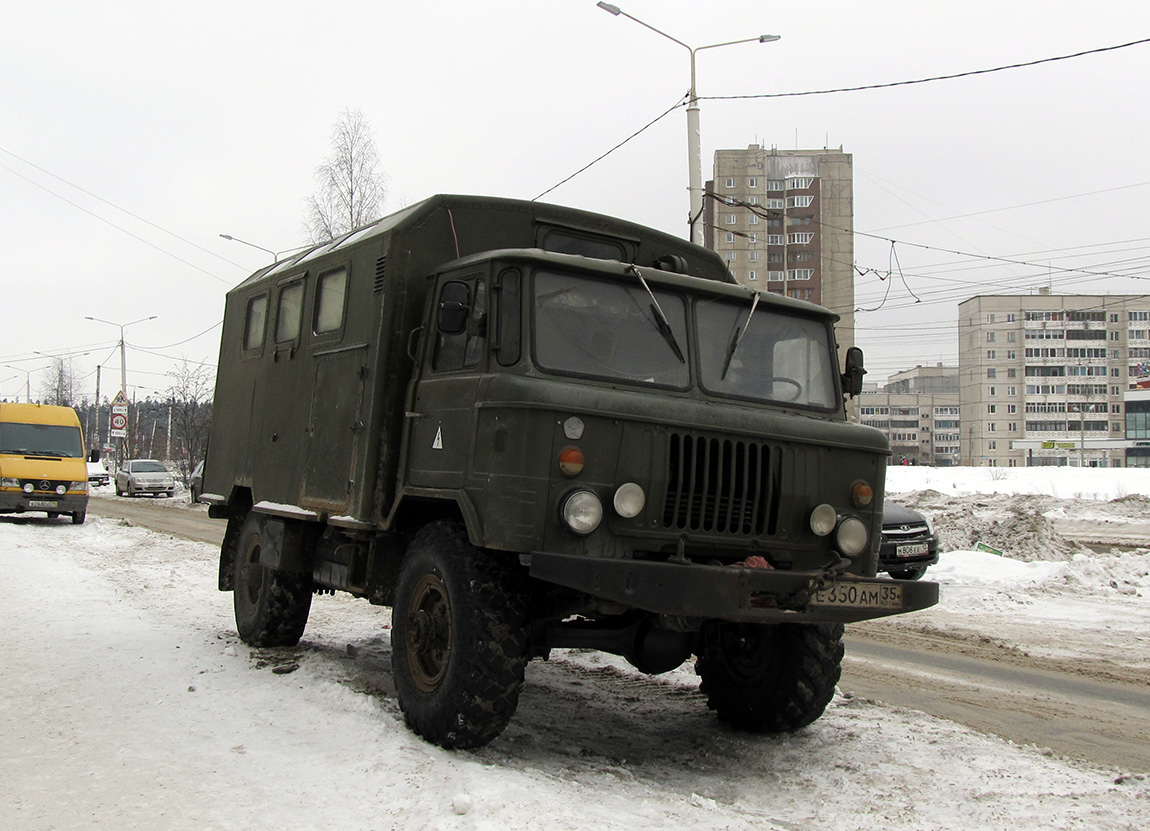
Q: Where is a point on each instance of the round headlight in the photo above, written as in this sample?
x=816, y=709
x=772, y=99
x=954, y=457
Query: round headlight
x=823, y=519
x=582, y=512
x=851, y=536
x=61, y=489
x=29, y=487
x=629, y=500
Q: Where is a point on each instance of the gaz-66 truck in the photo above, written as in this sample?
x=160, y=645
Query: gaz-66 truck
x=527, y=427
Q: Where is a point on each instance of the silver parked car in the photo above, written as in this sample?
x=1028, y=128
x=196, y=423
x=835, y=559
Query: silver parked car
x=138, y=476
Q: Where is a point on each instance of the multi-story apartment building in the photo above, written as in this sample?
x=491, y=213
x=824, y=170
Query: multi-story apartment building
x=919, y=411
x=1044, y=377
x=784, y=222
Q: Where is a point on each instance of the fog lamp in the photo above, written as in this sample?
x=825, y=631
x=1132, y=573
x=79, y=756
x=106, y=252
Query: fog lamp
x=823, y=519
x=629, y=500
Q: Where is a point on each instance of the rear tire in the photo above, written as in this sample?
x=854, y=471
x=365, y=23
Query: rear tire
x=769, y=678
x=271, y=605
x=78, y=517
x=459, y=638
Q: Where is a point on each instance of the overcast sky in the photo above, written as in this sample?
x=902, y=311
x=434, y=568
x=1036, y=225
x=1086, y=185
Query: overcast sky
x=134, y=134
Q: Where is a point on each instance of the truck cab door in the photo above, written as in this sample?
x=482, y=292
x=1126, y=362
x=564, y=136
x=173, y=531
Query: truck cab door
x=442, y=420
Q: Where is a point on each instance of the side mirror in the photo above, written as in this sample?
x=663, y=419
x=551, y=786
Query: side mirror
x=454, y=307
x=853, y=377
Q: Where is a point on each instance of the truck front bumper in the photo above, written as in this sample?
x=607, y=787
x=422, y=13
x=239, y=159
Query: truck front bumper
x=734, y=593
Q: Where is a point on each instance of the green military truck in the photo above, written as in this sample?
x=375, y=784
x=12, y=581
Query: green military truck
x=527, y=427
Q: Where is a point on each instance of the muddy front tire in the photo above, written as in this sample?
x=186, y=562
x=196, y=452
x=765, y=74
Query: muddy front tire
x=459, y=638
x=271, y=605
x=769, y=678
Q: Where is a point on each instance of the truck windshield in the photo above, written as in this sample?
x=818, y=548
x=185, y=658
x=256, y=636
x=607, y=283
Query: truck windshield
x=604, y=329
x=748, y=351
x=17, y=438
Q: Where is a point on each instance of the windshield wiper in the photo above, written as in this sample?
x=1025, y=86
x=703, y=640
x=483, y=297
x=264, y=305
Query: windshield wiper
x=737, y=336
x=661, y=322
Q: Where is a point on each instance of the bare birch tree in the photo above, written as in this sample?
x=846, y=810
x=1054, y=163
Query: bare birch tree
x=61, y=386
x=350, y=189
x=190, y=397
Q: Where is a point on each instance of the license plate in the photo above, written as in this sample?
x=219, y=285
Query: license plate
x=860, y=596
x=912, y=549
x=40, y=503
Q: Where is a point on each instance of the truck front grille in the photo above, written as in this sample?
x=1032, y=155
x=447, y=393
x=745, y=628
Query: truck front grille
x=721, y=486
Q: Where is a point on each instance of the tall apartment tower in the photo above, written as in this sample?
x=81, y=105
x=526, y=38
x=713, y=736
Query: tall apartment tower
x=1045, y=377
x=784, y=222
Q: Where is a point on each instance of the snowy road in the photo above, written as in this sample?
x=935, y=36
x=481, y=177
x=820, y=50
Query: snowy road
x=127, y=702
x=1061, y=705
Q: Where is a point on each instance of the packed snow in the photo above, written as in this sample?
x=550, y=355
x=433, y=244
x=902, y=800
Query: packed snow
x=127, y=701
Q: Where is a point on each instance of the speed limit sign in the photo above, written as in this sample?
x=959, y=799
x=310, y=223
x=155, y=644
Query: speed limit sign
x=119, y=425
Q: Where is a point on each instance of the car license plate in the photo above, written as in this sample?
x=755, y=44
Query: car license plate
x=40, y=503
x=860, y=596
x=912, y=549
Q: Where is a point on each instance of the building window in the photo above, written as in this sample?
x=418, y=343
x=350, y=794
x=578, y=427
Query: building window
x=775, y=184
x=1012, y=427
x=992, y=391
x=752, y=182
x=730, y=237
x=730, y=219
x=800, y=238
x=992, y=427
x=754, y=219
x=752, y=200
x=730, y=183
x=1012, y=390
x=730, y=256
x=799, y=182
x=752, y=275
x=992, y=408
x=774, y=239
x=1011, y=408
x=992, y=373
x=799, y=201
x=1012, y=336
x=992, y=445
x=990, y=354
x=990, y=318
x=754, y=256
x=801, y=273
x=1011, y=355
x=990, y=337
x=1113, y=336
x=775, y=204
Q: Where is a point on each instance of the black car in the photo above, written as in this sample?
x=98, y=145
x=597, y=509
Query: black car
x=909, y=542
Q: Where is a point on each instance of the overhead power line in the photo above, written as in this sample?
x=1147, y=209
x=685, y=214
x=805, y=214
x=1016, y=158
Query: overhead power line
x=951, y=77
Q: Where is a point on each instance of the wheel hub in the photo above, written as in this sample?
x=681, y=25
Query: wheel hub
x=429, y=633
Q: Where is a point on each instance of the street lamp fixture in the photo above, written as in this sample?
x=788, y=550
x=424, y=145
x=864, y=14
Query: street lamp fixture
x=694, y=150
x=123, y=361
x=252, y=245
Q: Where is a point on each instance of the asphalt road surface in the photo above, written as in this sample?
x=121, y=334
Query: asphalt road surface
x=1057, y=705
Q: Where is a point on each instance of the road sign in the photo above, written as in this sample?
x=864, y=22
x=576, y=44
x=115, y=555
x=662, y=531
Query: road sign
x=119, y=425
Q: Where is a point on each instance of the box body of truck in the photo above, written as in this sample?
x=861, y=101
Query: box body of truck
x=588, y=417
x=42, y=461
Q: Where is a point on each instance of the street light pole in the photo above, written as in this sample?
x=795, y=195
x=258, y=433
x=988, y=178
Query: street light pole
x=123, y=352
x=694, y=142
